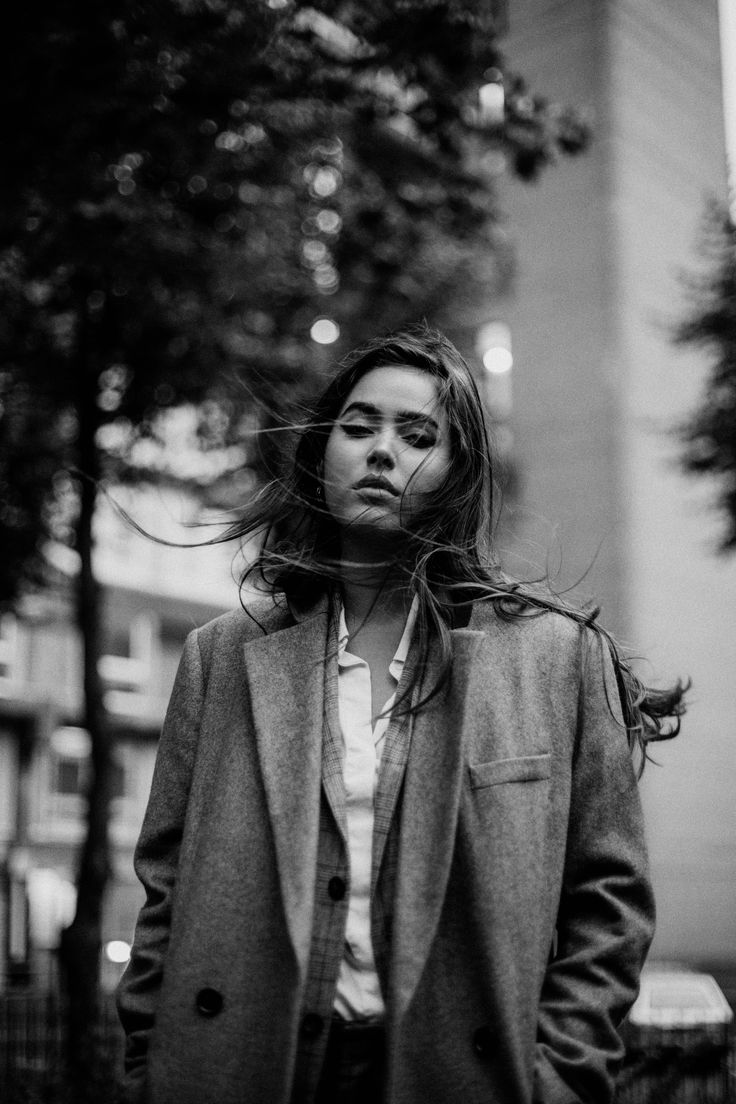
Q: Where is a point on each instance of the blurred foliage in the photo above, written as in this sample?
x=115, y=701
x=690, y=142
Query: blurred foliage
x=188, y=184
x=710, y=434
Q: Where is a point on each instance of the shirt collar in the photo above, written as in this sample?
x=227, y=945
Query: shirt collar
x=346, y=659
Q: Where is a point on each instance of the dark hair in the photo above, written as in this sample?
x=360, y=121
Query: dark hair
x=447, y=555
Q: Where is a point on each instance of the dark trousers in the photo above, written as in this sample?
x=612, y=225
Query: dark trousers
x=354, y=1067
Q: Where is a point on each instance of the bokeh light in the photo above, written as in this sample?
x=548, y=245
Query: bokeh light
x=324, y=331
x=118, y=951
x=328, y=221
x=493, y=344
x=491, y=103
x=497, y=360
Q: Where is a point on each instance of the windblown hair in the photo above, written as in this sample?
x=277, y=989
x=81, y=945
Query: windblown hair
x=446, y=553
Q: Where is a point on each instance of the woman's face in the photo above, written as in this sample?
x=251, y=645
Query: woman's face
x=388, y=451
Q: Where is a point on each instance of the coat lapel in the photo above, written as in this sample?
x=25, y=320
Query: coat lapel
x=432, y=787
x=333, y=745
x=285, y=674
x=390, y=777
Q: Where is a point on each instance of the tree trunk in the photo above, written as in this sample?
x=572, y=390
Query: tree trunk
x=81, y=941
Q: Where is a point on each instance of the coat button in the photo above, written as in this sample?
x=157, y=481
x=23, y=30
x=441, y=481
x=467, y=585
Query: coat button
x=209, y=1002
x=312, y=1025
x=336, y=888
x=483, y=1041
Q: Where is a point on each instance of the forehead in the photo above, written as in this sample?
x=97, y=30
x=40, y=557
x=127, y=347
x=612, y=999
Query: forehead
x=397, y=389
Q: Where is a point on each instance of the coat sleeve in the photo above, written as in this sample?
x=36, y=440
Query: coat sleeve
x=156, y=861
x=606, y=914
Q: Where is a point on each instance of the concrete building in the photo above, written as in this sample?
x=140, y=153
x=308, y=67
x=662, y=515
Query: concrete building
x=598, y=389
x=153, y=597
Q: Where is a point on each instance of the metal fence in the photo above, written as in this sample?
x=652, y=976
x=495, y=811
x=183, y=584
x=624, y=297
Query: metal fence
x=32, y=1068
x=684, y=1071
x=680, y=1070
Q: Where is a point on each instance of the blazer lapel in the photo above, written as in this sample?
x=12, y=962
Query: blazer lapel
x=333, y=745
x=390, y=777
x=285, y=674
x=429, y=812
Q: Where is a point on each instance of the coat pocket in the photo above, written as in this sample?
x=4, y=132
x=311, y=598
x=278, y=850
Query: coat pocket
x=523, y=768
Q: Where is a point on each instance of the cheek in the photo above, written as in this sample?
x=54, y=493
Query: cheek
x=429, y=475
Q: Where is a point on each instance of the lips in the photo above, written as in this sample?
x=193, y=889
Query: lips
x=375, y=483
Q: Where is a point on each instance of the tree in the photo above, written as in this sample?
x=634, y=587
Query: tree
x=190, y=183
x=709, y=435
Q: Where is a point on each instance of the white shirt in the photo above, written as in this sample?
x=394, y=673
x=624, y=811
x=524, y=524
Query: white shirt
x=358, y=991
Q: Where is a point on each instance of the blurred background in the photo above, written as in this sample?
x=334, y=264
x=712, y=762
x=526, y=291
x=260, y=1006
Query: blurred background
x=204, y=205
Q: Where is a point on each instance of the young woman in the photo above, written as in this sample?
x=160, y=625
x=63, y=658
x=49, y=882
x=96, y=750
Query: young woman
x=393, y=849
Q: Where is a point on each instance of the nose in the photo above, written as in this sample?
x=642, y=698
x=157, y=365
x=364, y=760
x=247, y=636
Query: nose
x=382, y=453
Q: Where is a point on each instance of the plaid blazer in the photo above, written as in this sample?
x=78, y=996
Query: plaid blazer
x=328, y=932
x=520, y=827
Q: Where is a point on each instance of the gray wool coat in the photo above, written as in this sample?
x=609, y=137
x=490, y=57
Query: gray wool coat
x=523, y=910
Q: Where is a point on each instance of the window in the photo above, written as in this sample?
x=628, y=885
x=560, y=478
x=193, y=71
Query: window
x=127, y=668
x=8, y=648
x=69, y=774
x=136, y=756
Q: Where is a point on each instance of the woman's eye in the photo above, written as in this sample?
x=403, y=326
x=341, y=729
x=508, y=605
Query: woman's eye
x=356, y=429
x=420, y=440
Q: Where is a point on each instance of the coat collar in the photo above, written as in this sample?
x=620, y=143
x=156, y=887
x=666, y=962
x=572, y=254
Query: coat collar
x=285, y=677
x=429, y=814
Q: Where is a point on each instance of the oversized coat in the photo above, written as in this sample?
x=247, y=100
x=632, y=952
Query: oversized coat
x=523, y=910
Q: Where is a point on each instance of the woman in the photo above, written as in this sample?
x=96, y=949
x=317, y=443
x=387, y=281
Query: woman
x=393, y=849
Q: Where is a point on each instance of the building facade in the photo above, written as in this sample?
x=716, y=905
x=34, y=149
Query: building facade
x=600, y=388
x=153, y=597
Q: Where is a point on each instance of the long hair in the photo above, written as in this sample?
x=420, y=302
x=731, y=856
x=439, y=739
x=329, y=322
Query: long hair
x=446, y=552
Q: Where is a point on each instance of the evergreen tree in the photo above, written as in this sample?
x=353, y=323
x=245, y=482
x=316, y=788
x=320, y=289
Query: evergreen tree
x=709, y=435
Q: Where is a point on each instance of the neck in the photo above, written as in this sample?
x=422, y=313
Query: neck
x=372, y=589
x=366, y=601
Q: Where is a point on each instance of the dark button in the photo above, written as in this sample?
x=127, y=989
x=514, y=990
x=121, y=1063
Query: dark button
x=483, y=1041
x=209, y=1002
x=336, y=888
x=312, y=1025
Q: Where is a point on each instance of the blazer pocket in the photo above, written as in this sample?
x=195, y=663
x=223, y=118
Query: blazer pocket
x=523, y=768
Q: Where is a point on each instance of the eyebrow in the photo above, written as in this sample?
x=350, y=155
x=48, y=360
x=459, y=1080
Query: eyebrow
x=402, y=416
